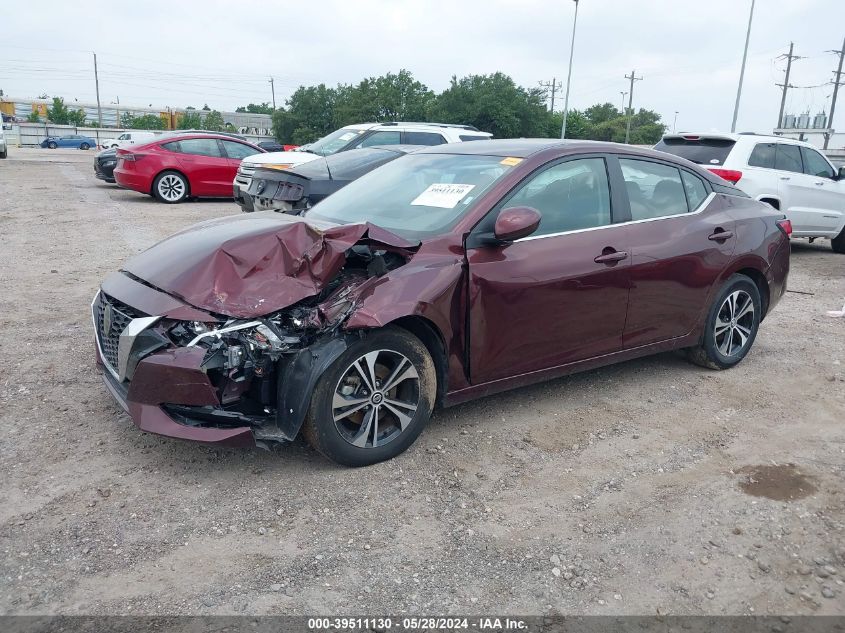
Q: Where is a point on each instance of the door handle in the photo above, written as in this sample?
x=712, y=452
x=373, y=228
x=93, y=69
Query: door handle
x=720, y=236
x=820, y=183
x=611, y=258
x=784, y=177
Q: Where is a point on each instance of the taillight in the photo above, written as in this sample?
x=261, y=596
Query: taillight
x=785, y=226
x=731, y=175
x=127, y=157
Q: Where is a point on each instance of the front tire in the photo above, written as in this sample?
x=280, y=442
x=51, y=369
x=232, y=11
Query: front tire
x=731, y=325
x=4, y=154
x=170, y=187
x=838, y=243
x=52, y=145
x=85, y=146
x=374, y=400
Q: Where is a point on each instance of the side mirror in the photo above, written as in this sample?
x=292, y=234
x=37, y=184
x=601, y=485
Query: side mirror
x=841, y=175
x=514, y=223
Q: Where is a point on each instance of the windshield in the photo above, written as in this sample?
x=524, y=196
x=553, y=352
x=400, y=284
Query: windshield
x=334, y=141
x=416, y=196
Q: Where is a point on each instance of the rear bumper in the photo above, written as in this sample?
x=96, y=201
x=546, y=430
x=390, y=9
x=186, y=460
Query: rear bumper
x=131, y=180
x=778, y=273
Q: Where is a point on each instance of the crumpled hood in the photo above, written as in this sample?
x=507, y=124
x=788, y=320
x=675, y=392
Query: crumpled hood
x=247, y=266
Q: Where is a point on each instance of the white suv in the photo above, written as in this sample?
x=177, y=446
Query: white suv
x=352, y=137
x=790, y=175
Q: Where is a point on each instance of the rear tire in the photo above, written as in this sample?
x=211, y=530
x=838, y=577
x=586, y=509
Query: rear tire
x=356, y=425
x=4, y=154
x=838, y=243
x=731, y=325
x=170, y=187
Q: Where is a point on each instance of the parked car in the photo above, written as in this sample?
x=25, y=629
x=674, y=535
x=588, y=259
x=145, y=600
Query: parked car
x=353, y=137
x=449, y=274
x=4, y=148
x=104, y=164
x=275, y=146
x=789, y=175
x=178, y=167
x=296, y=189
x=69, y=140
x=129, y=138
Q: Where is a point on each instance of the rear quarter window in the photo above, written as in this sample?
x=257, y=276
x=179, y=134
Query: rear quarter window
x=704, y=151
x=763, y=155
x=474, y=137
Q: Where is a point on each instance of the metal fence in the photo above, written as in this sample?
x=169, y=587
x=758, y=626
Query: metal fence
x=31, y=134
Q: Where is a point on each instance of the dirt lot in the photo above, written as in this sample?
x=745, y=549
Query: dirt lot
x=650, y=486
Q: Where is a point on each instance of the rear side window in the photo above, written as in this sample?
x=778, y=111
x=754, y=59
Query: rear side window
x=696, y=192
x=201, y=147
x=424, y=138
x=814, y=164
x=654, y=190
x=788, y=158
x=704, y=151
x=380, y=138
x=473, y=137
x=237, y=150
x=172, y=146
x=763, y=155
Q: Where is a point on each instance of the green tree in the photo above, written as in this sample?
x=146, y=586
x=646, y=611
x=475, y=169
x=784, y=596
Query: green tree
x=261, y=108
x=58, y=113
x=76, y=117
x=144, y=122
x=213, y=121
x=493, y=103
x=34, y=117
x=391, y=97
x=206, y=108
x=190, y=120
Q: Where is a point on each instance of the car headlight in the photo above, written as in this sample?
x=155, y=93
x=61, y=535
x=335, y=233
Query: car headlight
x=276, y=165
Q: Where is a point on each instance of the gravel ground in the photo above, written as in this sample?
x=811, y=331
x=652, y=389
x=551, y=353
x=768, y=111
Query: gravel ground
x=651, y=486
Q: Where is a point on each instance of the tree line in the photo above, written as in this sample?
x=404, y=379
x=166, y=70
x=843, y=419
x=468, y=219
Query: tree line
x=492, y=103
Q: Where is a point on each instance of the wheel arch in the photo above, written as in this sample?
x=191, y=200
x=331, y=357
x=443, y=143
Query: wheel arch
x=762, y=284
x=772, y=200
x=431, y=336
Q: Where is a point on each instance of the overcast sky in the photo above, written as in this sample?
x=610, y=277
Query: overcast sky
x=221, y=53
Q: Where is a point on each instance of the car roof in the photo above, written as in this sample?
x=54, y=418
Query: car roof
x=736, y=137
x=524, y=147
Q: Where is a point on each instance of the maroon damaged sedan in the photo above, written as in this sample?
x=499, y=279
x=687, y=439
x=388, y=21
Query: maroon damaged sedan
x=452, y=273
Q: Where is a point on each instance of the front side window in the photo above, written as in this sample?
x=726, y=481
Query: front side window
x=380, y=138
x=200, y=147
x=788, y=158
x=815, y=164
x=334, y=142
x=123, y=137
x=696, y=192
x=238, y=151
x=416, y=196
x=763, y=155
x=424, y=138
x=654, y=190
x=569, y=196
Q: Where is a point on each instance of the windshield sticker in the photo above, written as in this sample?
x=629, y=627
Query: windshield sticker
x=347, y=136
x=510, y=161
x=442, y=194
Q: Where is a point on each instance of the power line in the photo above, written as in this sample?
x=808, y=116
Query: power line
x=786, y=85
x=551, y=86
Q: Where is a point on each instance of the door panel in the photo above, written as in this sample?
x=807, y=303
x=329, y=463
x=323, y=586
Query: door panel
x=208, y=170
x=823, y=198
x=674, y=263
x=544, y=302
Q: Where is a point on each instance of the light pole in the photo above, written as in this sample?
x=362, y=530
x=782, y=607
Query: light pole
x=675, y=122
x=624, y=94
x=742, y=69
x=569, y=74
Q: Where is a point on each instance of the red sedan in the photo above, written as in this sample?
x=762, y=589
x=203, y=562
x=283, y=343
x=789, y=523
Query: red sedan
x=175, y=168
x=452, y=273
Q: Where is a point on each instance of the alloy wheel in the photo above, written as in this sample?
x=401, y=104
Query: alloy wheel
x=734, y=323
x=376, y=398
x=171, y=188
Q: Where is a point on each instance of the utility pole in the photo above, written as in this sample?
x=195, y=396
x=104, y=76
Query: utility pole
x=554, y=86
x=742, y=69
x=633, y=78
x=273, y=90
x=675, y=122
x=97, y=85
x=624, y=94
x=836, y=83
x=786, y=85
x=569, y=74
